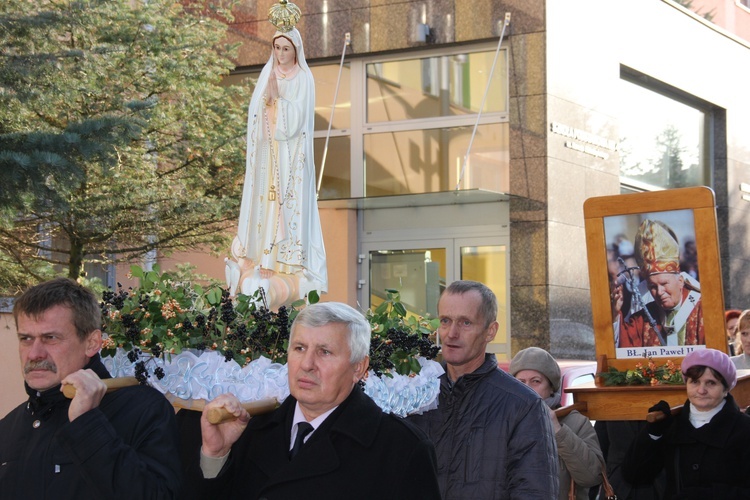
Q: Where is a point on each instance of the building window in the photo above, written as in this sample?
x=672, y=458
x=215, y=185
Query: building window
x=337, y=179
x=664, y=136
x=432, y=87
x=407, y=121
x=431, y=160
x=53, y=237
x=336, y=182
x=402, y=124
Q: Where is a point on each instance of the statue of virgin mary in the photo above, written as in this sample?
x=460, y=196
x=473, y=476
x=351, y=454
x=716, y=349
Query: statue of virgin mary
x=279, y=242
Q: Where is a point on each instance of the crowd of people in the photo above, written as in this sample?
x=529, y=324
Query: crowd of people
x=494, y=435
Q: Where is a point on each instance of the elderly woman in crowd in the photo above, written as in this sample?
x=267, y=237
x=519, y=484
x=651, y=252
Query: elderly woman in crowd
x=742, y=342
x=580, y=458
x=705, y=446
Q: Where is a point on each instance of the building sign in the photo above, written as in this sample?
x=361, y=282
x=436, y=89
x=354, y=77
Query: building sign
x=584, y=142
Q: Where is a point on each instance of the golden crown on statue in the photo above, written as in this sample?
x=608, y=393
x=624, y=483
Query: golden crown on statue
x=284, y=15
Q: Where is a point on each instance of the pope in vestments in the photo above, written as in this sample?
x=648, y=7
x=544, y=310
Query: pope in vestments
x=671, y=311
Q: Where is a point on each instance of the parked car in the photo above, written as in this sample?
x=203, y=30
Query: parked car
x=574, y=372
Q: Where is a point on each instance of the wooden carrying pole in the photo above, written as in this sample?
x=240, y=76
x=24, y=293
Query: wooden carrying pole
x=219, y=415
x=215, y=415
x=112, y=385
x=565, y=410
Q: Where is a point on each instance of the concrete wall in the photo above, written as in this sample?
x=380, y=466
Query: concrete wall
x=340, y=240
x=11, y=388
x=669, y=44
x=380, y=25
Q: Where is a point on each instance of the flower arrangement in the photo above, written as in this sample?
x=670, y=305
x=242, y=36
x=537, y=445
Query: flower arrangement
x=398, y=339
x=648, y=374
x=168, y=314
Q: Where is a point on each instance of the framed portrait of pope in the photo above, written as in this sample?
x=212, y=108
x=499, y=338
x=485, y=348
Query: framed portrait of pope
x=655, y=274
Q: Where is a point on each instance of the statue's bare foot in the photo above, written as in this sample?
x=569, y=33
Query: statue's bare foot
x=266, y=273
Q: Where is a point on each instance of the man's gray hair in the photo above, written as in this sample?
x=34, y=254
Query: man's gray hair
x=488, y=309
x=324, y=313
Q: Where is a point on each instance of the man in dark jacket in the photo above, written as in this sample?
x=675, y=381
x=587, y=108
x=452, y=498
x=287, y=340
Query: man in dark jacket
x=350, y=448
x=492, y=434
x=95, y=445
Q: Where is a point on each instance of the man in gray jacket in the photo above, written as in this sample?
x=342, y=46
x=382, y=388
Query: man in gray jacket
x=492, y=434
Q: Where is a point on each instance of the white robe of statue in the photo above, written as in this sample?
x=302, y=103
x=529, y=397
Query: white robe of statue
x=279, y=226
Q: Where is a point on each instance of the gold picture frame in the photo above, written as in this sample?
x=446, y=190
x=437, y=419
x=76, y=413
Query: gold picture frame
x=686, y=213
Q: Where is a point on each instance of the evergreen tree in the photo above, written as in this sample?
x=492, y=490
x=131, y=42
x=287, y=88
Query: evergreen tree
x=668, y=165
x=116, y=137
x=688, y=4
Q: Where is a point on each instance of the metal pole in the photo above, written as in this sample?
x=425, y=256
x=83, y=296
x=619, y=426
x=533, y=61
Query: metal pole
x=484, y=98
x=347, y=42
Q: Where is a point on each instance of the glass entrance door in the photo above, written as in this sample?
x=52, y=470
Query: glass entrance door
x=487, y=262
x=420, y=271
x=418, y=274
x=417, y=269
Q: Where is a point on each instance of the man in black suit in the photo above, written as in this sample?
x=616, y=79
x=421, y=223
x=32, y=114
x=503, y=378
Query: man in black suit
x=351, y=449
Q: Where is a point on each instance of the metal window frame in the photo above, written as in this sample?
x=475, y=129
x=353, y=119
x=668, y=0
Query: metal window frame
x=359, y=127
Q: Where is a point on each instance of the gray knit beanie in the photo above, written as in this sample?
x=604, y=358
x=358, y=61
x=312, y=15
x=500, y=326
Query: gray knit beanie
x=534, y=358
